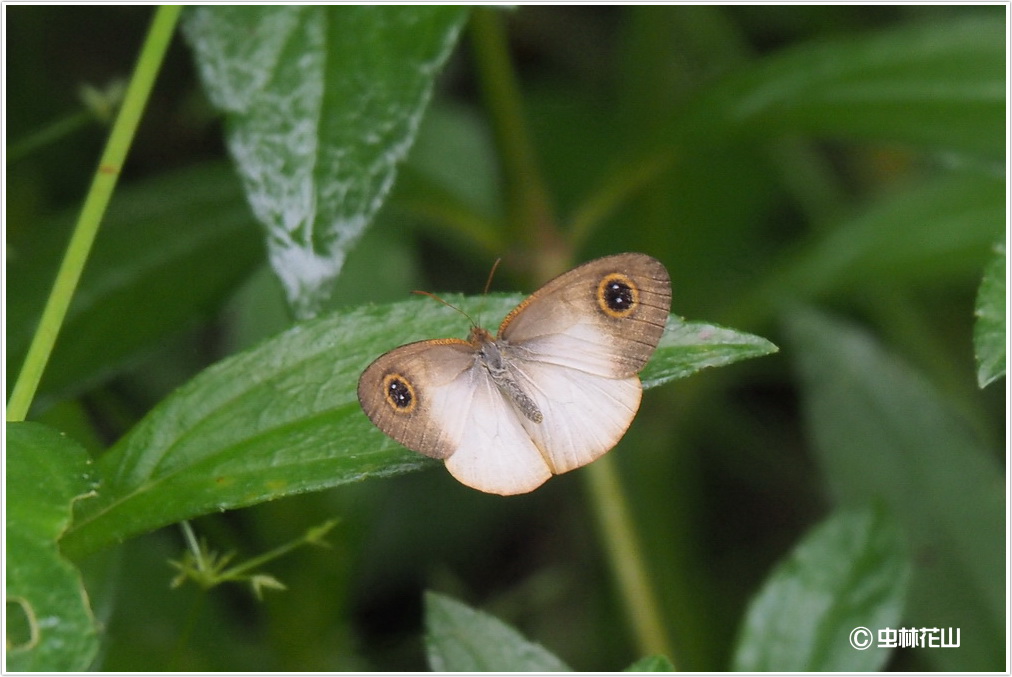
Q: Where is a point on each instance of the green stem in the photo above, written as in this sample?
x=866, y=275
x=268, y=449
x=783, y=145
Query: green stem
x=177, y=659
x=531, y=216
x=49, y=134
x=314, y=536
x=95, y=203
x=193, y=545
x=625, y=556
x=532, y=220
x=621, y=184
x=425, y=198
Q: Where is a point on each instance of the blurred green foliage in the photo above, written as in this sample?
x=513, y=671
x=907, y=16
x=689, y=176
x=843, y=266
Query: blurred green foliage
x=776, y=158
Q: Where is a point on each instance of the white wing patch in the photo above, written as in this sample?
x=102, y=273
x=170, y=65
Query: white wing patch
x=501, y=451
x=582, y=345
x=495, y=454
x=585, y=415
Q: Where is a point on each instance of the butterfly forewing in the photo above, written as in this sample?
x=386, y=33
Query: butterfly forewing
x=605, y=316
x=414, y=394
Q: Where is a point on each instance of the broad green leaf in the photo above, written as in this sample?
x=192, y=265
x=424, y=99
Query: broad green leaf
x=883, y=433
x=283, y=417
x=46, y=601
x=940, y=85
x=688, y=347
x=940, y=227
x=168, y=251
x=461, y=639
x=651, y=664
x=850, y=572
x=989, y=332
x=322, y=104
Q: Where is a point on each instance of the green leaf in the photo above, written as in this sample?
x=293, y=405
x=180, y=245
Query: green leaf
x=689, y=347
x=284, y=418
x=883, y=433
x=46, y=600
x=322, y=104
x=939, y=228
x=851, y=571
x=989, y=332
x=651, y=664
x=168, y=251
x=940, y=85
x=461, y=639
x=450, y=181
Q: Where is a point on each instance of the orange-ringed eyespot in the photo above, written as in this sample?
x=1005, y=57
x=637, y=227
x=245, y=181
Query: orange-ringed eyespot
x=399, y=394
x=617, y=295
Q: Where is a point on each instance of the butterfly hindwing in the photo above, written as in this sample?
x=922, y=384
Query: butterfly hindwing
x=585, y=414
x=496, y=454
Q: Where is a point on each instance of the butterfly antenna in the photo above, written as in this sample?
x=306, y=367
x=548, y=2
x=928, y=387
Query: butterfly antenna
x=488, y=283
x=445, y=303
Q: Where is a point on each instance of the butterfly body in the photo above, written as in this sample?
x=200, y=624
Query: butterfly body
x=553, y=390
x=498, y=358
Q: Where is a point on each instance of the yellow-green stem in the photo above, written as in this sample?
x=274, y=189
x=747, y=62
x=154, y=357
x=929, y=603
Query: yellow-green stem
x=95, y=203
x=625, y=557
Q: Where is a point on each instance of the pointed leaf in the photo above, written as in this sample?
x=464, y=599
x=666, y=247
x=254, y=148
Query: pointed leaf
x=850, y=572
x=284, y=418
x=942, y=227
x=989, y=332
x=883, y=433
x=461, y=639
x=689, y=347
x=322, y=102
x=46, y=600
x=940, y=85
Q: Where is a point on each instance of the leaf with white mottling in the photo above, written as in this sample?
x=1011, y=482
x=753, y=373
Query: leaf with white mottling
x=322, y=104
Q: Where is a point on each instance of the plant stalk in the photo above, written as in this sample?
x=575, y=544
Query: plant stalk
x=532, y=221
x=625, y=556
x=102, y=186
x=533, y=224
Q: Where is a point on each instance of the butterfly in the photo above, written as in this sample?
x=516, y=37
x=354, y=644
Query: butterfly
x=553, y=390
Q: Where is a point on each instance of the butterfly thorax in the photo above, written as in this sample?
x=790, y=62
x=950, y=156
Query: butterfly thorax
x=494, y=356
